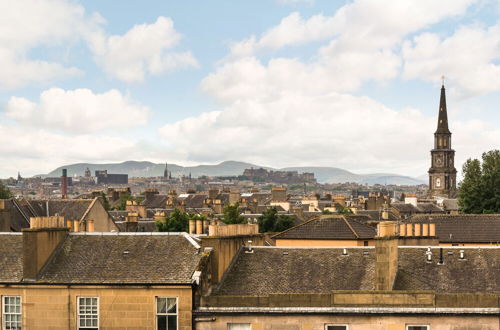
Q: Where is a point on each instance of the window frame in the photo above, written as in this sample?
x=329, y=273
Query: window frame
x=417, y=325
x=78, y=312
x=3, y=305
x=166, y=313
x=337, y=324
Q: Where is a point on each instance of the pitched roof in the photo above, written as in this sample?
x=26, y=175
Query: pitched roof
x=477, y=272
x=429, y=208
x=331, y=227
x=297, y=270
x=463, y=228
x=271, y=270
x=405, y=207
x=119, y=258
x=375, y=215
x=155, y=201
x=71, y=209
x=11, y=261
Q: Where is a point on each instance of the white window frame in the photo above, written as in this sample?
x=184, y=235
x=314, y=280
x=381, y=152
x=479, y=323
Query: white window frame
x=4, y=313
x=239, y=323
x=336, y=324
x=166, y=314
x=78, y=312
x=428, y=327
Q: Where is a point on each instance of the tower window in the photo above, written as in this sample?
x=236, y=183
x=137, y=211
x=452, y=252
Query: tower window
x=438, y=182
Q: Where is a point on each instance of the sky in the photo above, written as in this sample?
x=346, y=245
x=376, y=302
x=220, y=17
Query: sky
x=349, y=84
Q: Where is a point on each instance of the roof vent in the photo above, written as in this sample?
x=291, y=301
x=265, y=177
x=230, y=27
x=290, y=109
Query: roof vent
x=428, y=253
x=366, y=253
x=344, y=252
x=249, y=247
x=285, y=253
x=462, y=254
x=126, y=252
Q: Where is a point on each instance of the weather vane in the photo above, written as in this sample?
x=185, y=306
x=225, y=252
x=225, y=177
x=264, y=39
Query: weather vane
x=442, y=79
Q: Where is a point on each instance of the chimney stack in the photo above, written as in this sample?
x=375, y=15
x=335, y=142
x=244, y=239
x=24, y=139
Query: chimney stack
x=39, y=241
x=64, y=184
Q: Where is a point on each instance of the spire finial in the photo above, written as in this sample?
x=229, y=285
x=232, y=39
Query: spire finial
x=442, y=80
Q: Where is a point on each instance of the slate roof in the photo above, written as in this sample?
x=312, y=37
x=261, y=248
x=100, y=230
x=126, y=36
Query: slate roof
x=195, y=201
x=139, y=258
x=11, y=261
x=334, y=227
x=71, y=209
x=405, y=207
x=271, y=270
x=375, y=215
x=463, y=228
x=155, y=201
x=429, y=208
x=477, y=272
x=297, y=270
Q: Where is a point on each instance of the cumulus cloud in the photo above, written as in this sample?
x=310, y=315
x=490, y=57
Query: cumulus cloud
x=144, y=49
x=469, y=57
x=24, y=26
x=365, y=24
x=79, y=110
x=291, y=111
x=37, y=151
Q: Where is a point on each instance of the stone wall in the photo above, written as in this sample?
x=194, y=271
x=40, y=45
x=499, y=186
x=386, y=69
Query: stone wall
x=120, y=307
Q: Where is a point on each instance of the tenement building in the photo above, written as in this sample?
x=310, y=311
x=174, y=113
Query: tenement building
x=442, y=174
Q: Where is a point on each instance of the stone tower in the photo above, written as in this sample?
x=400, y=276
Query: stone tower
x=442, y=174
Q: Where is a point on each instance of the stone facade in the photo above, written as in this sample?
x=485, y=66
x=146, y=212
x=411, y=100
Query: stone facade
x=54, y=307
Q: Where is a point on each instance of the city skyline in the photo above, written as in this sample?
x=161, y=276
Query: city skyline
x=277, y=83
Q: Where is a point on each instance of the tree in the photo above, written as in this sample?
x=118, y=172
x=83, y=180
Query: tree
x=325, y=211
x=270, y=221
x=479, y=191
x=105, y=201
x=177, y=221
x=123, y=201
x=231, y=215
x=4, y=192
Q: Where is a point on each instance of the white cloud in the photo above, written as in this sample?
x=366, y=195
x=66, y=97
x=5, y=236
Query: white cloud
x=342, y=130
x=292, y=112
x=144, y=49
x=25, y=25
x=363, y=24
x=79, y=110
x=469, y=58
x=37, y=151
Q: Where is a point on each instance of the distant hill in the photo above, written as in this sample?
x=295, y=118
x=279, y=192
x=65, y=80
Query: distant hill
x=232, y=168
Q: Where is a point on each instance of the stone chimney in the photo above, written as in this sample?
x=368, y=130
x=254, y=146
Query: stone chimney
x=386, y=256
x=39, y=242
x=278, y=194
x=150, y=192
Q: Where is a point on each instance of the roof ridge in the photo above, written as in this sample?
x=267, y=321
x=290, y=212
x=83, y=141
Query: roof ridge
x=350, y=227
x=299, y=225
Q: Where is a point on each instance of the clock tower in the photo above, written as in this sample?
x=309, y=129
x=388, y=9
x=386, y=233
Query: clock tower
x=442, y=174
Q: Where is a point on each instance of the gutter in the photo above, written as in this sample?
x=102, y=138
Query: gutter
x=349, y=310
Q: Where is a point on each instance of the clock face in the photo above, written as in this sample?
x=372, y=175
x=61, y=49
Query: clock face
x=438, y=160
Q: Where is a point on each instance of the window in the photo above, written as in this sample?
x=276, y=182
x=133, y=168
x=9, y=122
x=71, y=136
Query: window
x=438, y=182
x=417, y=327
x=336, y=327
x=11, y=313
x=239, y=326
x=88, y=313
x=166, y=313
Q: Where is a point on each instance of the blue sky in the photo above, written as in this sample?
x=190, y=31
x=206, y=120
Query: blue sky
x=350, y=84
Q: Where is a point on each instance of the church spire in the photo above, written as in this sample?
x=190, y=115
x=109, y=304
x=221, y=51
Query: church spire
x=442, y=126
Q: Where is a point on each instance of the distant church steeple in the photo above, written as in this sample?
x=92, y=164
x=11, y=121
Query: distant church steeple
x=165, y=172
x=442, y=174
